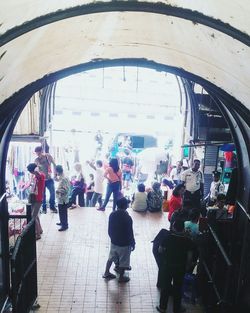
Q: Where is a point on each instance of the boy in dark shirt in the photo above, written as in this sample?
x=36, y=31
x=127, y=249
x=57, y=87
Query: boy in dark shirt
x=120, y=230
x=176, y=251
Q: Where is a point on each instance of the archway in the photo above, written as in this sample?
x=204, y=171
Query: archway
x=172, y=39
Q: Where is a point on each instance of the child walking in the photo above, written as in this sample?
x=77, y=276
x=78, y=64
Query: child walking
x=120, y=230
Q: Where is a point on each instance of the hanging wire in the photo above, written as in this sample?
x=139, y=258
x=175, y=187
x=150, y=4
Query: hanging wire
x=137, y=78
x=103, y=77
x=124, y=74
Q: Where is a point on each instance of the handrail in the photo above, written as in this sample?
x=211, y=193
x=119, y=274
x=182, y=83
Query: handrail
x=219, y=245
x=2, y=197
x=243, y=209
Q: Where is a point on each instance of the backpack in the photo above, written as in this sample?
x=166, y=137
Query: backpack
x=155, y=201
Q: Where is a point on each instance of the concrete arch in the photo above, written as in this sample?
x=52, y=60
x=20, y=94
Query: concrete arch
x=206, y=51
x=209, y=45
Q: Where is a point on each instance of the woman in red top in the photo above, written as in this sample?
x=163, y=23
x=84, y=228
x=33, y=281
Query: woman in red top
x=175, y=202
x=37, y=188
x=113, y=175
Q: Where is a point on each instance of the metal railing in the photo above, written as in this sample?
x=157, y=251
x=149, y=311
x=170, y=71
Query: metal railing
x=24, y=270
x=218, y=269
x=17, y=223
x=4, y=260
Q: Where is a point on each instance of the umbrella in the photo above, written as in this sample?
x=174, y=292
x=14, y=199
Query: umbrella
x=227, y=147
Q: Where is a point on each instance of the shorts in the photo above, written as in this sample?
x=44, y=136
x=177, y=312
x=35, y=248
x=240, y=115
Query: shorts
x=120, y=255
x=127, y=176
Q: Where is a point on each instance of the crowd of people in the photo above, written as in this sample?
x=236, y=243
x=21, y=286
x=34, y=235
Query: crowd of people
x=180, y=194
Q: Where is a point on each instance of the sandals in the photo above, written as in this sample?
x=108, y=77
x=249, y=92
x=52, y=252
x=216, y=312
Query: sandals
x=108, y=276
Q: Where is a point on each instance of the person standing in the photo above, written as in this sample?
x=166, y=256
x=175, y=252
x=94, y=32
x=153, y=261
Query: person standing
x=216, y=188
x=127, y=168
x=99, y=142
x=44, y=161
x=194, y=183
x=37, y=188
x=62, y=194
x=98, y=183
x=176, y=252
x=120, y=230
x=90, y=190
x=113, y=175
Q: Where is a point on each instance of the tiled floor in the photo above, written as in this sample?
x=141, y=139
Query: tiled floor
x=71, y=264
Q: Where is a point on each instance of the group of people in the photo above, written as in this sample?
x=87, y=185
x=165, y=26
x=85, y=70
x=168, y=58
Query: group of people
x=71, y=193
x=174, y=249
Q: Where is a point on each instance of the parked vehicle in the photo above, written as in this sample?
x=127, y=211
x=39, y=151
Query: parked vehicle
x=134, y=142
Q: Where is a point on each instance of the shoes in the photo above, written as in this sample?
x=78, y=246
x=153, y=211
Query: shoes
x=159, y=309
x=108, y=276
x=117, y=269
x=123, y=279
x=38, y=237
x=101, y=209
x=44, y=211
x=62, y=228
x=54, y=210
x=59, y=224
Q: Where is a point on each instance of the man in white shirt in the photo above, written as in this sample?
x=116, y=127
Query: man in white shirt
x=176, y=172
x=194, y=183
x=98, y=183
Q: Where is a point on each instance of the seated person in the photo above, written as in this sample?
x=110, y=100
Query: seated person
x=175, y=201
x=155, y=198
x=219, y=209
x=139, y=199
x=192, y=226
x=182, y=213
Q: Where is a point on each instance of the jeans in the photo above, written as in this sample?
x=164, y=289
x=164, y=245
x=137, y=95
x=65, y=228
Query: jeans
x=88, y=198
x=115, y=189
x=80, y=193
x=49, y=183
x=63, y=214
x=97, y=197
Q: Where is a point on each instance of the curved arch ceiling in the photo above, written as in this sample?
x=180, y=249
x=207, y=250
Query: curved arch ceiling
x=169, y=40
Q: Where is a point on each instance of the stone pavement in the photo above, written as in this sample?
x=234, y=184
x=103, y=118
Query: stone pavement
x=71, y=264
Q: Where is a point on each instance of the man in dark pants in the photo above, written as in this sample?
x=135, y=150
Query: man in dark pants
x=176, y=252
x=62, y=194
x=156, y=244
x=194, y=183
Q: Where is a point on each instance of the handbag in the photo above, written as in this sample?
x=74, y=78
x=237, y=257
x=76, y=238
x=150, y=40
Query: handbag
x=165, y=205
x=165, y=202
